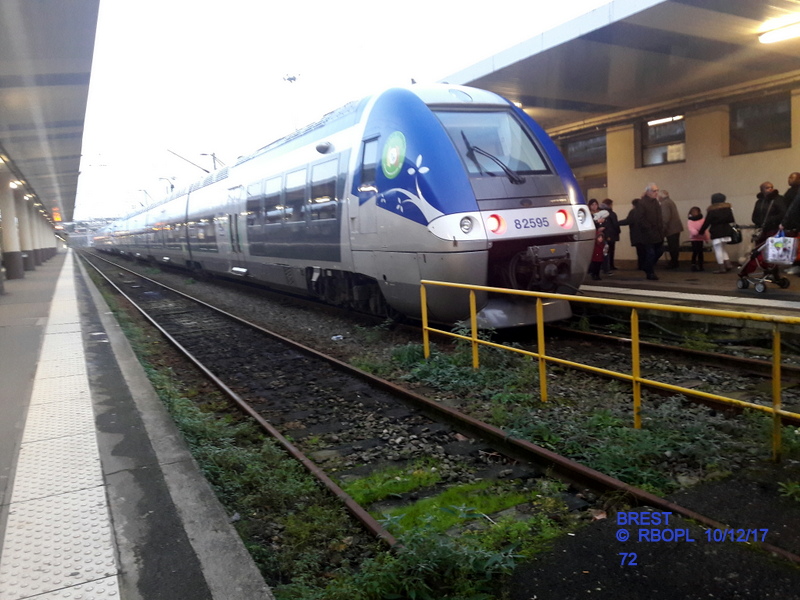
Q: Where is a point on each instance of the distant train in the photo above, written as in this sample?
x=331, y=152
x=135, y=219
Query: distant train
x=427, y=182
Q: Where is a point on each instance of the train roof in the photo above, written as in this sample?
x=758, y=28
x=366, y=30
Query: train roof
x=349, y=114
x=338, y=120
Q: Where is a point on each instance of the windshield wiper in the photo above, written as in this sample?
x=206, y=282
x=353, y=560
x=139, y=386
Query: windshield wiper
x=470, y=153
x=514, y=177
x=471, y=150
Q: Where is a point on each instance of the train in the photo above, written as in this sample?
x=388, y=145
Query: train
x=437, y=182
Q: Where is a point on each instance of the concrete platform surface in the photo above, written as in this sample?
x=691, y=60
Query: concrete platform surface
x=100, y=496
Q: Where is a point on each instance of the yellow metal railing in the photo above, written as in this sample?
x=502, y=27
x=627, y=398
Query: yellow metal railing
x=635, y=376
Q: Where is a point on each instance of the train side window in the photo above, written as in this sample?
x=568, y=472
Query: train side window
x=203, y=234
x=295, y=195
x=207, y=232
x=273, y=204
x=323, y=190
x=369, y=166
x=173, y=234
x=254, y=212
x=255, y=205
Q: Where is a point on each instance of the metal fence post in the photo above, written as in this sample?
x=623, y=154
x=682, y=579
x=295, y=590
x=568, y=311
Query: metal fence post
x=776, y=393
x=473, y=320
x=540, y=349
x=636, y=370
x=423, y=298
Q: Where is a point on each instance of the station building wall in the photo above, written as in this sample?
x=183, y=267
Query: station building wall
x=708, y=168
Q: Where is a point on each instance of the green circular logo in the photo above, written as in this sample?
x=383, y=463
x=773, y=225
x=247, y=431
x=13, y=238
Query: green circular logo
x=394, y=154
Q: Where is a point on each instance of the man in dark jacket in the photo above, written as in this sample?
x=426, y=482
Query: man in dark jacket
x=630, y=221
x=791, y=221
x=792, y=194
x=650, y=227
x=673, y=226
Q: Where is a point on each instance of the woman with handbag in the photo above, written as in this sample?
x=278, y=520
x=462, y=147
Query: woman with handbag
x=719, y=221
x=768, y=213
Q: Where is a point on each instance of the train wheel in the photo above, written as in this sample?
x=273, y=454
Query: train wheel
x=761, y=287
x=783, y=283
x=742, y=284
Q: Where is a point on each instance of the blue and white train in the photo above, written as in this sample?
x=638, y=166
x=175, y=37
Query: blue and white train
x=426, y=182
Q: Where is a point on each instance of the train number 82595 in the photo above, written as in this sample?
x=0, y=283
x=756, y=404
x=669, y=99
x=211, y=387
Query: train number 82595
x=532, y=223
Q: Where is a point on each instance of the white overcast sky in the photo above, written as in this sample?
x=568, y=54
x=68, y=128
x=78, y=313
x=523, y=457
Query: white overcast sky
x=199, y=77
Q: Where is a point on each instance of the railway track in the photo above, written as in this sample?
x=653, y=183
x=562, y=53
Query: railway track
x=344, y=423
x=688, y=364
x=754, y=366
x=344, y=419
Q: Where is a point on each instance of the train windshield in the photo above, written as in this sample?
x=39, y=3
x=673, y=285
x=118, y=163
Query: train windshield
x=493, y=143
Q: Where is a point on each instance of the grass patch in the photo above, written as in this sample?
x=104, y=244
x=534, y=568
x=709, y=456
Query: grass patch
x=680, y=443
x=428, y=566
x=790, y=489
x=393, y=481
x=455, y=505
x=525, y=538
x=516, y=375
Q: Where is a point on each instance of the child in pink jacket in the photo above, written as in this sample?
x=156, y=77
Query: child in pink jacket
x=698, y=239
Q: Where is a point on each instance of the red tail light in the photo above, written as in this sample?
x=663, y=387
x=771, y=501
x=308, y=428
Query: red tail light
x=564, y=218
x=496, y=224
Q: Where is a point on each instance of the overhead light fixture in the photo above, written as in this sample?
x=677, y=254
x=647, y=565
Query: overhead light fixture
x=664, y=120
x=778, y=30
x=779, y=35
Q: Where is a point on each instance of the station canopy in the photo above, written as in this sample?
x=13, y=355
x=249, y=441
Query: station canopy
x=627, y=59
x=46, y=49
x=631, y=58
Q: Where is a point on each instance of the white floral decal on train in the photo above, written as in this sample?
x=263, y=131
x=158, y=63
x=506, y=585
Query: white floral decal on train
x=400, y=198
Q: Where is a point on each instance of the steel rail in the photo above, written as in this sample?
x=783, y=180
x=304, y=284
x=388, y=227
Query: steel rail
x=754, y=365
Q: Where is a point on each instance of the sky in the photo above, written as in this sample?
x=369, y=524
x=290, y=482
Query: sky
x=177, y=81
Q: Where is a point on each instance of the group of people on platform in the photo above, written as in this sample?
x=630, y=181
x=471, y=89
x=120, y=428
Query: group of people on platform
x=656, y=226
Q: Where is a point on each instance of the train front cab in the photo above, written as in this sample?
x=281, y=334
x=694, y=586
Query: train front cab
x=459, y=186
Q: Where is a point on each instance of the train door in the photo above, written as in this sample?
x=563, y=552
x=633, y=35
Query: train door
x=236, y=224
x=363, y=209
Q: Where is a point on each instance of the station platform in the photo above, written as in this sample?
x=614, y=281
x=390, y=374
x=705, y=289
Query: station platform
x=695, y=288
x=99, y=496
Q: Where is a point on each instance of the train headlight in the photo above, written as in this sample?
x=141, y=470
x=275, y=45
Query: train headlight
x=582, y=215
x=466, y=224
x=496, y=224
